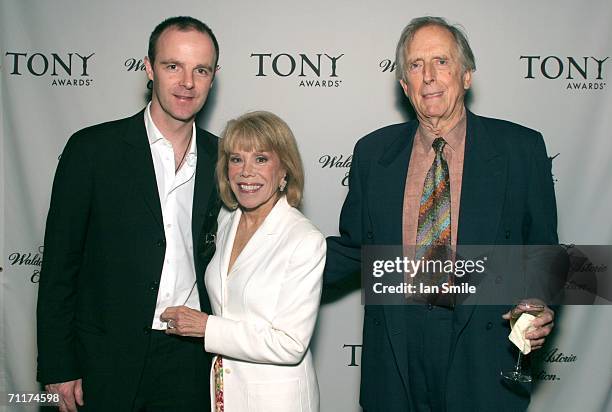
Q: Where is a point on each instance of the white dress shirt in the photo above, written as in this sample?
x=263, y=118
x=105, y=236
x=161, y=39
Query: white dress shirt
x=177, y=285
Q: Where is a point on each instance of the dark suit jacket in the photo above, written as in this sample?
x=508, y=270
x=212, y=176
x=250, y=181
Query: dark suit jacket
x=104, y=250
x=507, y=198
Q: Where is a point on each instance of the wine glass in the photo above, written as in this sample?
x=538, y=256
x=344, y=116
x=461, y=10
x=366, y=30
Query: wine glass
x=536, y=310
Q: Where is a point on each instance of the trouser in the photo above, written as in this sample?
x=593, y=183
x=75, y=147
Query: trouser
x=429, y=340
x=175, y=377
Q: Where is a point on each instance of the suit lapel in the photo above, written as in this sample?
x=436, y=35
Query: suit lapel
x=138, y=158
x=204, y=184
x=261, y=239
x=227, y=234
x=482, y=197
x=227, y=242
x=387, y=183
x=482, y=188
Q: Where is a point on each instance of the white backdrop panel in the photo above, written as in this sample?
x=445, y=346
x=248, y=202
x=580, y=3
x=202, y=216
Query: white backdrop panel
x=37, y=118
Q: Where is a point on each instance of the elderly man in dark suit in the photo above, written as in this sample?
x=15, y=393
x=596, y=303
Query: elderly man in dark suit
x=129, y=232
x=490, y=183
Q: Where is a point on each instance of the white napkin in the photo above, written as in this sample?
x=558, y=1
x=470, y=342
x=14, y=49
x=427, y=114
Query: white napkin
x=520, y=328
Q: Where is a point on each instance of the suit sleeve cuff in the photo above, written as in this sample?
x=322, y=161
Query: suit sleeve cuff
x=211, y=334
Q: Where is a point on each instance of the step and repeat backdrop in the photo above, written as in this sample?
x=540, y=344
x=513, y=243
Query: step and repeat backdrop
x=326, y=67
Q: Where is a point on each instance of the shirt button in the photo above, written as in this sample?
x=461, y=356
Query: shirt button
x=489, y=325
x=429, y=306
x=146, y=330
x=227, y=370
x=161, y=242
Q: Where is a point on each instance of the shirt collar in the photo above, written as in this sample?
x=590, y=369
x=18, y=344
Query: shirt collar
x=454, y=138
x=154, y=135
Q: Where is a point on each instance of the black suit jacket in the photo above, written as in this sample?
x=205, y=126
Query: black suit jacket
x=104, y=250
x=507, y=198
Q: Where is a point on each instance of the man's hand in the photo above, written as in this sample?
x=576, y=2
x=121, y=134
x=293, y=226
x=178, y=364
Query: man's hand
x=542, y=325
x=185, y=321
x=71, y=394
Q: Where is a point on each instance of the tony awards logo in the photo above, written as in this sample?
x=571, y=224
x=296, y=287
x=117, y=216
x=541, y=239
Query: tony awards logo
x=314, y=70
x=577, y=72
x=63, y=69
x=354, y=350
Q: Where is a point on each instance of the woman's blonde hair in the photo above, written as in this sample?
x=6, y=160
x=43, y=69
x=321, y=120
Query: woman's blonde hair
x=264, y=132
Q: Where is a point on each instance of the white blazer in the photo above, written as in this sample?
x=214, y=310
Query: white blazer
x=265, y=310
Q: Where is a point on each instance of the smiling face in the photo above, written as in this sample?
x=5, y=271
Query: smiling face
x=182, y=75
x=255, y=177
x=435, y=81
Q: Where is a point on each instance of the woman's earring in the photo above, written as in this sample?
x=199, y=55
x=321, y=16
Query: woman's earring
x=282, y=185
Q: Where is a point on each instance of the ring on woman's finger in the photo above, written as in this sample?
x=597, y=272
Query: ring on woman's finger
x=171, y=324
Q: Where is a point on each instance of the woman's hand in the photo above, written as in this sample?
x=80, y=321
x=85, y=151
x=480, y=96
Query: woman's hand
x=184, y=321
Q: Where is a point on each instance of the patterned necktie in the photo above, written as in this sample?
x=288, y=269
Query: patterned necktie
x=434, y=230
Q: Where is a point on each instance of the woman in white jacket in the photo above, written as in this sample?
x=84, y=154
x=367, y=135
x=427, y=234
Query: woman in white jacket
x=264, y=281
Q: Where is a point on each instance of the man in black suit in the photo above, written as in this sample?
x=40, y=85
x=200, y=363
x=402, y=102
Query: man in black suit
x=493, y=186
x=129, y=232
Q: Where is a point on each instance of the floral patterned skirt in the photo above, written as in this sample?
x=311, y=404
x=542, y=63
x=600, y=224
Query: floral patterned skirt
x=218, y=372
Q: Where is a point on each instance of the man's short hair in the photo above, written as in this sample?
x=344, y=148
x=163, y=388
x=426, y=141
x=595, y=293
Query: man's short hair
x=266, y=132
x=182, y=23
x=463, y=46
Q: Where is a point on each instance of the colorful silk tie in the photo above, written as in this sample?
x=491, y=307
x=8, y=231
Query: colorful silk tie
x=434, y=230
